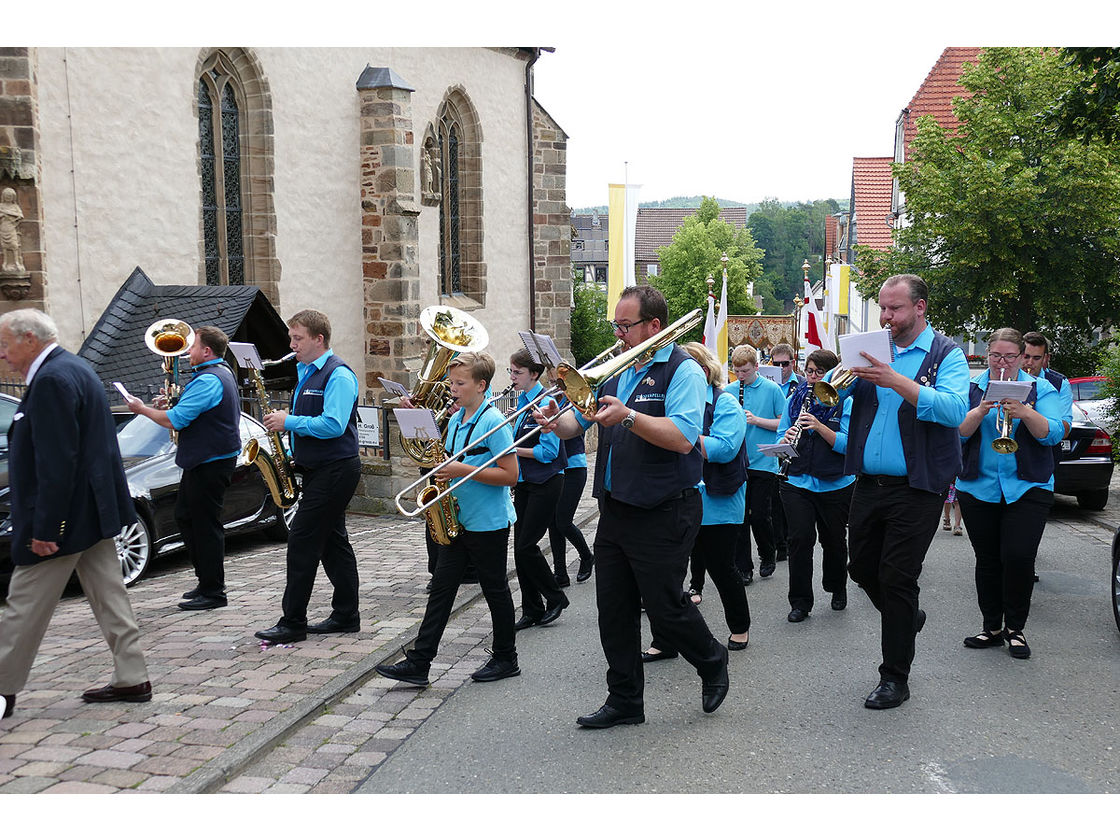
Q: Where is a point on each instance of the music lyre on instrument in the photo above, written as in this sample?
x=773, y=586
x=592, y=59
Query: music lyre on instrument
x=578, y=385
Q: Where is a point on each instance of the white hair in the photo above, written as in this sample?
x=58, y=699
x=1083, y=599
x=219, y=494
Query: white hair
x=22, y=321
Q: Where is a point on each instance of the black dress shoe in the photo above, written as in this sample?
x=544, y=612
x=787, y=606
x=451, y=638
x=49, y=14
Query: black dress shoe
x=141, y=693
x=734, y=645
x=553, y=612
x=714, y=690
x=279, y=635
x=887, y=695
x=766, y=569
x=404, y=671
x=657, y=657
x=919, y=621
x=496, y=669
x=333, y=625
x=796, y=615
x=202, y=602
x=563, y=581
x=7, y=705
x=585, y=570
x=1017, y=645
x=608, y=716
x=748, y=577
x=525, y=622
x=985, y=639
x=191, y=593
x=839, y=600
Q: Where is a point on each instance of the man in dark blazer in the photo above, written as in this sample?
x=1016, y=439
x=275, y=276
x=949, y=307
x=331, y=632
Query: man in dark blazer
x=69, y=500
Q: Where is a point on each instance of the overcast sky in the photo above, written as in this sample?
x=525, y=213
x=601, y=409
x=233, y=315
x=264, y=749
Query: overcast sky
x=739, y=100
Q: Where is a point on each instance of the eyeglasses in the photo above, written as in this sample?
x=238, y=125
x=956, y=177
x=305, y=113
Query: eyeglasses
x=1004, y=357
x=625, y=328
x=814, y=371
x=786, y=363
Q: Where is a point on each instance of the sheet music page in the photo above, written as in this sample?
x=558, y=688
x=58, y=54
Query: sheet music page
x=417, y=423
x=246, y=355
x=1009, y=390
x=876, y=343
x=530, y=345
x=775, y=449
x=395, y=388
x=771, y=372
x=124, y=391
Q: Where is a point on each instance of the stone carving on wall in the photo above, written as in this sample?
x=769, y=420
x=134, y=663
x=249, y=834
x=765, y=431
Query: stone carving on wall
x=431, y=173
x=15, y=279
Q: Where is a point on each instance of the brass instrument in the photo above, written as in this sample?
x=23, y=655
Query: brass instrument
x=170, y=338
x=806, y=404
x=442, y=515
x=1004, y=444
x=829, y=392
x=578, y=385
x=451, y=331
x=275, y=466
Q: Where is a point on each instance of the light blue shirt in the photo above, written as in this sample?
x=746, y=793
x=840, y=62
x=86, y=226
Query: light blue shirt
x=764, y=399
x=338, y=401
x=201, y=394
x=788, y=386
x=684, y=398
x=807, y=481
x=721, y=445
x=548, y=446
x=1065, y=398
x=998, y=475
x=482, y=507
x=945, y=402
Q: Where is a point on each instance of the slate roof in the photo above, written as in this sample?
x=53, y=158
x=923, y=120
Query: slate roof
x=589, y=241
x=115, y=346
x=871, y=202
x=657, y=225
x=935, y=96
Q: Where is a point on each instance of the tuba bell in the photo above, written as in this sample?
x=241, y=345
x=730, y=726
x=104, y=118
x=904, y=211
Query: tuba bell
x=170, y=338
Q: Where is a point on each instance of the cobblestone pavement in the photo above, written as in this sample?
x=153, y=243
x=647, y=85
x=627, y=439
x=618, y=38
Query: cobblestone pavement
x=221, y=701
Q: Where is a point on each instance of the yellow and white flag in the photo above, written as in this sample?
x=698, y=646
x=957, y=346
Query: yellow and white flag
x=622, y=223
x=721, y=325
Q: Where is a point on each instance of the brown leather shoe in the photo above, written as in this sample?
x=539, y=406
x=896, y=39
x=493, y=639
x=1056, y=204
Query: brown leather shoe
x=111, y=693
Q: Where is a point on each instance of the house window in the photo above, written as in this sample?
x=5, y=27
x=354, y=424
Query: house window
x=219, y=133
x=450, y=261
x=651, y=269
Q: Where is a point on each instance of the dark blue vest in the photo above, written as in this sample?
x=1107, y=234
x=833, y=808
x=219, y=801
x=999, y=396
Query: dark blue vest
x=215, y=431
x=642, y=474
x=932, y=451
x=574, y=446
x=723, y=479
x=1056, y=379
x=814, y=456
x=532, y=470
x=311, y=452
x=1034, y=461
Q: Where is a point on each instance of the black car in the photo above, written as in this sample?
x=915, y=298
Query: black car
x=1084, y=465
x=153, y=480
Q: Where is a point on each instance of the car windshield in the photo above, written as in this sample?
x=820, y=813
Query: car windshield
x=1088, y=390
x=143, y=438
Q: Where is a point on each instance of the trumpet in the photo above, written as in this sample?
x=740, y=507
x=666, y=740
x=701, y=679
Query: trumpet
x=578, y=385
x=1004, y=444
x=843, y=379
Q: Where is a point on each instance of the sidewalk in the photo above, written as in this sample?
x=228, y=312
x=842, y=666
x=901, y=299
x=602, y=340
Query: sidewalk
x=222, y=702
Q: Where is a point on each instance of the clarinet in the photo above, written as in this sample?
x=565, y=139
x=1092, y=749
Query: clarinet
x=806, y=404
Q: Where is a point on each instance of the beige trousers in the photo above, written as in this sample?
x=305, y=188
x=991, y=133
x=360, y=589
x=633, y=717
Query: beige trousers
x=33, y=594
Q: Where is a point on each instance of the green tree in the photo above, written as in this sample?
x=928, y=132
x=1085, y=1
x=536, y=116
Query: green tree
x=1010, y=225
x=591, y=334
x=695, y=252
x=1090, y=108
x=790, y=234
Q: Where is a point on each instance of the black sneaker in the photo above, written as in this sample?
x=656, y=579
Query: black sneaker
x=406, y=672
x=496, y=669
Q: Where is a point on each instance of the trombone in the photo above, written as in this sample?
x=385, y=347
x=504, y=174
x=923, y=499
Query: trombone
x=578, y=385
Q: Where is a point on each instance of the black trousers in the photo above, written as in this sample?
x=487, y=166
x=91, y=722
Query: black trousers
x=535, y=505
x=640, y=558
x=562, y=529
x=713, y=552
x=1005, y=538
x=811, y=515
x=889, y=531
x=486, y=552
x=318, y=535
x=781, y=528
x=762, y=487
x=198, y=513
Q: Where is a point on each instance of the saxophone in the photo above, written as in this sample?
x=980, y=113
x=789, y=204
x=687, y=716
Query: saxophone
x=442, y=518
x=276, y=467
x=786, y=460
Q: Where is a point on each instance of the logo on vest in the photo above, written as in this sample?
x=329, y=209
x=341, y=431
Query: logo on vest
x=644, y=398
x=311, y=392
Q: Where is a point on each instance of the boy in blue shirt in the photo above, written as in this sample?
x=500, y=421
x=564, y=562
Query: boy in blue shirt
x=485, y=515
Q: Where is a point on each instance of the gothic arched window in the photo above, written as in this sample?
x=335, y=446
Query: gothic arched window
x=458, y=139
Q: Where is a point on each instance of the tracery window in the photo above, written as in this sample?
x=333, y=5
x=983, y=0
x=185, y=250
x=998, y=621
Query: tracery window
x=457, y=137
x=219, y=130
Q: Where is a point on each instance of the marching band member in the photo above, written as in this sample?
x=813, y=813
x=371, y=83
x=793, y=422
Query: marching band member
x=563, y=530
x=1006, y=490
x=817, y=494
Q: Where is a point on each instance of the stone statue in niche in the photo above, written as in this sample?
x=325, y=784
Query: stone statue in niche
x=431, y=175
x=14, y=277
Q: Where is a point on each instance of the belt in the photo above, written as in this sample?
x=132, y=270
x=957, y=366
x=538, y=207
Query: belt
x=884, y=480
x=688, y=492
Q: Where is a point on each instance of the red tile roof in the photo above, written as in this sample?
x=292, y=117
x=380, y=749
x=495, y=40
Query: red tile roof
x=831, y=235
x=935, y=96
x=871, y=201
x=656, y=226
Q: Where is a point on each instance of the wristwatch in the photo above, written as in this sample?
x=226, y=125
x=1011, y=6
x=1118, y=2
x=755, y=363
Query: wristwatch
x=628, y=420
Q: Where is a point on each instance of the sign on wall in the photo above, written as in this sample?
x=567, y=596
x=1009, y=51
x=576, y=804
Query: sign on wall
x=369, y=425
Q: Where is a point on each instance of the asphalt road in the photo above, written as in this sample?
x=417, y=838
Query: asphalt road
x=977, y=722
